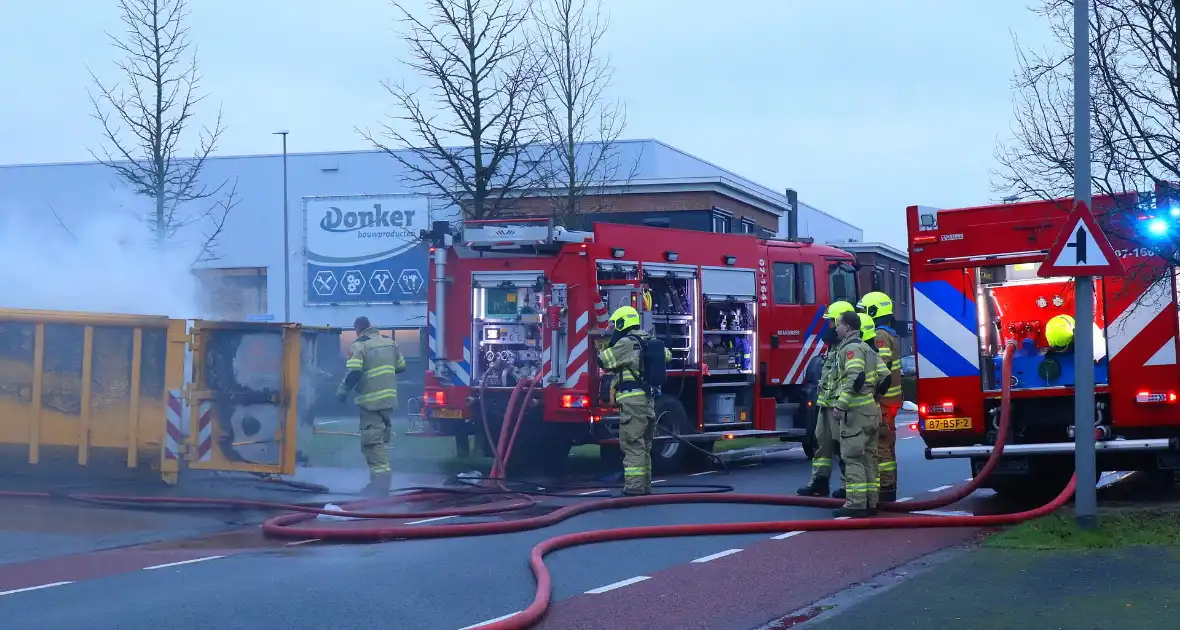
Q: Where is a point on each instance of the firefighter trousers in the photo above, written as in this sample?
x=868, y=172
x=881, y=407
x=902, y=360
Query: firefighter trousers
x=637, y=428
x=376, y=432
x=887, y=446
x=858, y=449
x=825, y=444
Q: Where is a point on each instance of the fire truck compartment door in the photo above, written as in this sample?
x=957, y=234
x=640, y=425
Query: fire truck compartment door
x=720, y=283
x=244, y=403
x=518, y=279
x=664, y=270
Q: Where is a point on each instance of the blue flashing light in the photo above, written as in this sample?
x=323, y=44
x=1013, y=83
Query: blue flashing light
x=1175, y=211
x=1157, y=227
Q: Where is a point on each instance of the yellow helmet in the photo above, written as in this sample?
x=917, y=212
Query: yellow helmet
x=876, y=304
x=1059, y=331
x=625, y=317
x=836, y=308
x=868, y=327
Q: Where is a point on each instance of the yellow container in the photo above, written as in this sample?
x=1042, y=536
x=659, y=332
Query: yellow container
x=79, y=388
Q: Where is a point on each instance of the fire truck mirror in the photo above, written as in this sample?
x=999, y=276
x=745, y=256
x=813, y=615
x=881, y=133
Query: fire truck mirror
x=774, y=341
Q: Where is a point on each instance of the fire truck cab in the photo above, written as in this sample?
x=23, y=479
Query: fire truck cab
x=525, y=298
x=976, y=287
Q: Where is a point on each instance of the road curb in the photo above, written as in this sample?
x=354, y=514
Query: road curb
x=838, y=603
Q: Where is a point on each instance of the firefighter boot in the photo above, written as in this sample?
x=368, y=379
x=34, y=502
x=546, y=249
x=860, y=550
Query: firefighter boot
x=819, y=487
x=379, y=486
x=840, y=493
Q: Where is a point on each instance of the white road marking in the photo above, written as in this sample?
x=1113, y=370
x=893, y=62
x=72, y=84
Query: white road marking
x=33, y=588
x=707, y=472
x=658, y=481
x=842, y=518
x=431, y=520
x=909, y=437
x=719, y=554
x=611, y=587
x=582, y=494
x=302, y=542
x=904, y=499
x=939, y=489
x=490, y=621
x=786, y=535
x=176, y=564
x=945, y=513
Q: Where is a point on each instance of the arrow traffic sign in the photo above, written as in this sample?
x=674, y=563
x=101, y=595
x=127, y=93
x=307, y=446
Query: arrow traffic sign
x=1081, y=249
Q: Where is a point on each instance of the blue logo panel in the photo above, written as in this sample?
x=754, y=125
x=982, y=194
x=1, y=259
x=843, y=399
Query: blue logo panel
x=398, y=278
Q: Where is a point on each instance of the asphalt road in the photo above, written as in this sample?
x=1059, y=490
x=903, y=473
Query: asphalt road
x=452, y=583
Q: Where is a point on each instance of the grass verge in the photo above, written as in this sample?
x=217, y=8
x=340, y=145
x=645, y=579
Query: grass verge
x=1124, y=527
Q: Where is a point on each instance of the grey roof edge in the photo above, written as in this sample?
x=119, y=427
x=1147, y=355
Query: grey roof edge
x=726, y=176
x=885, y=248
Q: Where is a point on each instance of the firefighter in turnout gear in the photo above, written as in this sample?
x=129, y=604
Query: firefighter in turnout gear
x=857, y=415
x=372, y=368
x=878, y=306
x=622, y=356
x=825, y=431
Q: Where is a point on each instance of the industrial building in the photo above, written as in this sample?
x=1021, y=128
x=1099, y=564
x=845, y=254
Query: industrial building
x=666, y=187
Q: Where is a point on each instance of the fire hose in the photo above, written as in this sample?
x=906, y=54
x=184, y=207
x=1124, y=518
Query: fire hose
x=287, y=525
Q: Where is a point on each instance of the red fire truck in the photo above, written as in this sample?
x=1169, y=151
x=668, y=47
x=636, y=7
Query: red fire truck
x=524, y=298
x=976, y=286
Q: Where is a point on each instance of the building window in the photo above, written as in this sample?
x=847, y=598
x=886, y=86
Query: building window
x=893, y=284
x=722, y=222
x=878, y=278
x=903, y=291
x=664, y=223
x=807, y=282
x=749, y=226
x=784, y=283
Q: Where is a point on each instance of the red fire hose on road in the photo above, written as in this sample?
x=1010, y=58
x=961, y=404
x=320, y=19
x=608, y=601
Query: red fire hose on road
x=285, y=526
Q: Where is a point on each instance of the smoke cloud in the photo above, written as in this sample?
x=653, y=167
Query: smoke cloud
x=102, y=263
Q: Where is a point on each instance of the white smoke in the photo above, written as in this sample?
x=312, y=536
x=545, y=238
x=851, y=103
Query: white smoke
x=103, y=263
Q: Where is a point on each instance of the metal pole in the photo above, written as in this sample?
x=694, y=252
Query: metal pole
x=286, y=238
x=1086, y=497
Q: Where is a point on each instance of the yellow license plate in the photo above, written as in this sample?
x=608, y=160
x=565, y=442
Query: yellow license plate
x=947, y=424
x=447, y=413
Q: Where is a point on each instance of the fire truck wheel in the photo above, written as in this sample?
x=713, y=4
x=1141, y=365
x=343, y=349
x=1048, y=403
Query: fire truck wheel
x=670, y=455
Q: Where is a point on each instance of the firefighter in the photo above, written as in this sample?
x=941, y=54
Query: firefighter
x=637, y=421
x=857, y=415
x=372, y=371
x=879, y=307
x=825, y=432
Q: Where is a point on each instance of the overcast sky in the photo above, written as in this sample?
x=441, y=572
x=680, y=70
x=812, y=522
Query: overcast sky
x=863, y=106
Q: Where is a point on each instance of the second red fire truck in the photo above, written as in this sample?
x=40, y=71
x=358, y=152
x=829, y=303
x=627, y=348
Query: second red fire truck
x=524, y=298
x=976, y=287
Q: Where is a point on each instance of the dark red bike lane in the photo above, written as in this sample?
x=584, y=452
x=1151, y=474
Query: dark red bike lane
x=748, y=589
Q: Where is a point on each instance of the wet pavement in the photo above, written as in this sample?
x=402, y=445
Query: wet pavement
x=240, y=580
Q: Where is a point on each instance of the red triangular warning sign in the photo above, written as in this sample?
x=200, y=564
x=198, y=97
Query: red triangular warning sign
x=1081, y=249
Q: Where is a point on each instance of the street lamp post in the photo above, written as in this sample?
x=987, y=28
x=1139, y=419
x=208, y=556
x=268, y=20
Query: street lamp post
x=286, y=237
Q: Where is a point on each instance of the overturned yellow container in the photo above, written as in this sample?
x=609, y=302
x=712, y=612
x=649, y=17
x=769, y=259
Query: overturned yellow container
x=148, y=392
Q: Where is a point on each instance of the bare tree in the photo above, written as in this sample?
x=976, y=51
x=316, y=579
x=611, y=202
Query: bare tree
x=1135, y=114
x=578, y=122
x=472, y=141
x=145, y=119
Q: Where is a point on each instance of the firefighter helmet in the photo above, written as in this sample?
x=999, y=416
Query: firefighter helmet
x=625, y=317
x=876, y=304
x=1059, y=331
x=836, y=308
x=868, y=328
